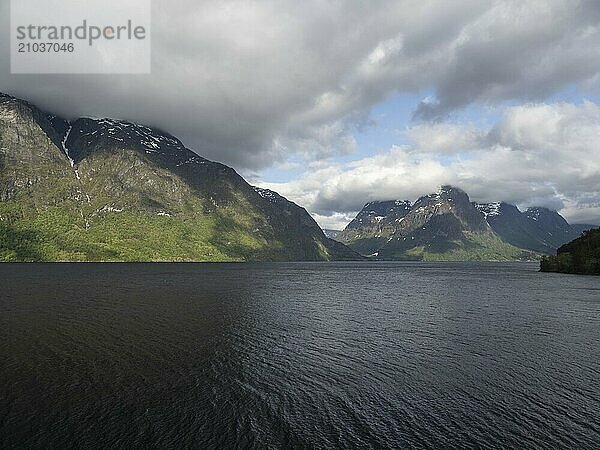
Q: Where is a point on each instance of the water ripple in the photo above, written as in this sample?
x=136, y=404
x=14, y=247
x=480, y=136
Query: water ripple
x=303, y=355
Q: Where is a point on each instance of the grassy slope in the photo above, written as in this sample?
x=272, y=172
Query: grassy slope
x=477, y=247
x=60, y=234
x=51, y=215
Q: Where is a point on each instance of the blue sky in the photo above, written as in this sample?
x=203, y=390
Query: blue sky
x=389, y=125
x=387, y=122
x=391, y=117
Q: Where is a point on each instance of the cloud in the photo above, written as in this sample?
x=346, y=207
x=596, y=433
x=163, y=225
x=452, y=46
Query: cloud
x=518, y=50
x=251, y=83
x=536, y=155
x=335, y=221
x=445, y=137
x=343, y=188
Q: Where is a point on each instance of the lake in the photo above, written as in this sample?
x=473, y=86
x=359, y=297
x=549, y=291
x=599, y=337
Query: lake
x=305, y=355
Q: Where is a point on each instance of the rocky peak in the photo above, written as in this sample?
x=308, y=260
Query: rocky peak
x=448, y=200
x=538, y=229
x=85, y=136
x=547, y=216
x=22, y=122
x=491, y=211
x=445, y=198
x=13, y=110
x=380, y=213
x=447, y=191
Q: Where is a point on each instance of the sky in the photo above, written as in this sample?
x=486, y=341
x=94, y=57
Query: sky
x=337, y=103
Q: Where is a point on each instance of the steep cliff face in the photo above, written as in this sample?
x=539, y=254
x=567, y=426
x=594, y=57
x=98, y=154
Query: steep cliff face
x=296, y=222
x=108, y=190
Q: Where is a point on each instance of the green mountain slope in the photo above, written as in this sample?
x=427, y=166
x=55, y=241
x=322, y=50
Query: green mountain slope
x=106, y=190
x=581, y=256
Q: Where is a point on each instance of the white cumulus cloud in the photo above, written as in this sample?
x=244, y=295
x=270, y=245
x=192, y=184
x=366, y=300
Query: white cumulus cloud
x=536, y=155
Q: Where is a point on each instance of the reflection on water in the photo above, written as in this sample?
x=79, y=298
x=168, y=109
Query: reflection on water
x=303, y=354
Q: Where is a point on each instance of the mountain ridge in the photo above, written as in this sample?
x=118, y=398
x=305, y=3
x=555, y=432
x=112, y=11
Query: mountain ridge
x=110, y=190
x=447, y=225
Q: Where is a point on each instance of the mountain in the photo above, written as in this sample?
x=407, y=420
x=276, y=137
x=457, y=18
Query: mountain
x=447, y=225
x=442, y=226
x=580, y=256
x=555, y=226
x=538, y=229
x=515, y=227
x=109, y=190
x=371, y=228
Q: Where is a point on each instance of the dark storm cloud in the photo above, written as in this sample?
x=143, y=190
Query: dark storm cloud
x=519, y=50
x=249, y=83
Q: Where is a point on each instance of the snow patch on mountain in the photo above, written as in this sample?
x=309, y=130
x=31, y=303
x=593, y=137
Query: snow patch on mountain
x=120, y=130
x=267, y=194
x=533, y=213
x=489, y=209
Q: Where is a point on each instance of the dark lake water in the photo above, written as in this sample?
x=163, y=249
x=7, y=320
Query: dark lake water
x=306, y=355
